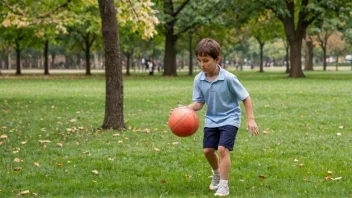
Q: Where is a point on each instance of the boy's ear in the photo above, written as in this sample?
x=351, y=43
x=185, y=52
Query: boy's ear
x=217, y=59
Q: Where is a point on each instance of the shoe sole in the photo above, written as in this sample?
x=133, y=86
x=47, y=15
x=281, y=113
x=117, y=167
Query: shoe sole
x=213, y=187
x=221, y=195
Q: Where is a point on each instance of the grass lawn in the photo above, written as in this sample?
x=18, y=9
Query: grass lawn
x=51, y=145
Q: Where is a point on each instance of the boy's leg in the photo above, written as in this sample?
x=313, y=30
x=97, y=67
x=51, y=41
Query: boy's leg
x=225, y=163
x=212, y=158
x=210, y=144
x=226, y=144
x=213, y=161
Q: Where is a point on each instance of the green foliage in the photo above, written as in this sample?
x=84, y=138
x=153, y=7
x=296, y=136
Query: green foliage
x=308, y=139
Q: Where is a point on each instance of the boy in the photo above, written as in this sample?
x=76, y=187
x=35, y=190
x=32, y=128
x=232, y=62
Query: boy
x=220, y=90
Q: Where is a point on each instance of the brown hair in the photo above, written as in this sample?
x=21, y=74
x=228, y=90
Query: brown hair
x=209, y=47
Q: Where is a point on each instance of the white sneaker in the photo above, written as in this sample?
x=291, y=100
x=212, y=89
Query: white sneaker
x=215, y=182
x=223, y=190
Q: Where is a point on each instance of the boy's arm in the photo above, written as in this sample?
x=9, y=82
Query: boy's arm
x=196, y=106
x=251, y=124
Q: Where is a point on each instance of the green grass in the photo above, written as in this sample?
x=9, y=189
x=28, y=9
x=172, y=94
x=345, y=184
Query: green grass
x=301, y=116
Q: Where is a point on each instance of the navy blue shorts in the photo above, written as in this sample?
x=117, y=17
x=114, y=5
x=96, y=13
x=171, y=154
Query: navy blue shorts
x=220, y=136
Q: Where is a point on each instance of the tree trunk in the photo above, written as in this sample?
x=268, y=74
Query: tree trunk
x=128, y=57
x=261, y=45
x=190, y=68
x=170, y=68
x=113, y=69
x=308, y=62
x=296, y=65
x=324, y=58
x=287, y=58
x=46, y=57
x=88, y=57
x=18, y=58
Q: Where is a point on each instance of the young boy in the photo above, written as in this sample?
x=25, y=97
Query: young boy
x=220, y=90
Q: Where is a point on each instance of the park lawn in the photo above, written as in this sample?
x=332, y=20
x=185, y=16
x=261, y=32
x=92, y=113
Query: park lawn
x=304, y=149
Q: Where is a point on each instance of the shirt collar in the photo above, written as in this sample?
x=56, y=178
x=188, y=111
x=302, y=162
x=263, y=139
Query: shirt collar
x=221, y=75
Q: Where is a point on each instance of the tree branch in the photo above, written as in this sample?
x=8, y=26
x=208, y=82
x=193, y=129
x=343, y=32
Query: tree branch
x=180, y=8
x=55, y=10
x=3, y=2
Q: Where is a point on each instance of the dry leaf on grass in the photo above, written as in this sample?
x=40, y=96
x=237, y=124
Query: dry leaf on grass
x=24, y=192
x=95, y=172
x=44, y=141
x=17, y=169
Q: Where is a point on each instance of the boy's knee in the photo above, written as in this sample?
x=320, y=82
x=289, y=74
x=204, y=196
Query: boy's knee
x=222, y=150
x=208, y=151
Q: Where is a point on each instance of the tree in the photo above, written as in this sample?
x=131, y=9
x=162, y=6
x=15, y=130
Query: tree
x=296, y=16
x=114, y=118
x=29, y=18
x=262, y=30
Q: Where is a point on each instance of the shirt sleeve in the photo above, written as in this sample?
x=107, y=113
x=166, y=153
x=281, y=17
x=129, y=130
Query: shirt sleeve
x=197, y=93
x=237, y=88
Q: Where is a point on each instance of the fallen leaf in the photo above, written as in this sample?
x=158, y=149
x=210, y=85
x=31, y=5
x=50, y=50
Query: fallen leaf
x=24, y=142
x=17, y=169
x=156, y=149
x=59, y=144
x=58, y=165
x=44, y=141
x=330, y=172
x=296, y=160
x=86, y=152
x=120, y=142
x=24, y=192
x=1, y=142
x=265, y=132
x=36, y=164
x=111, y=159
x=95, y=172
x=262, y=177
x=147, y=130
x=17, y=160
x=174, y=143
x=328, y=178
x=241, y=180
x=73, y=120
x=338, y=134
x=300, y=165
x=3, y=136
x=116, y=134
x=188, y=176
x=163, y=181
x=340, y=127
x=337, y=178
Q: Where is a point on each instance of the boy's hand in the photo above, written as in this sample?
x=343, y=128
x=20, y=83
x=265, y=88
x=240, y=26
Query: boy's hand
x=252, y=125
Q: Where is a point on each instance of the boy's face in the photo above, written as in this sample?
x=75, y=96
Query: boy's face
x=207, y=63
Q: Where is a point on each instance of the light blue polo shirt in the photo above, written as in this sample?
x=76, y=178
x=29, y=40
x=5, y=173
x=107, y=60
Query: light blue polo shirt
x=221, y=98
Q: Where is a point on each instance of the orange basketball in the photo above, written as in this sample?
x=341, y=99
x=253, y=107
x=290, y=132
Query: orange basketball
x=183, y=121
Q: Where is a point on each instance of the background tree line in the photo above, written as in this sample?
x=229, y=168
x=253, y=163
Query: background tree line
x=67, y=34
